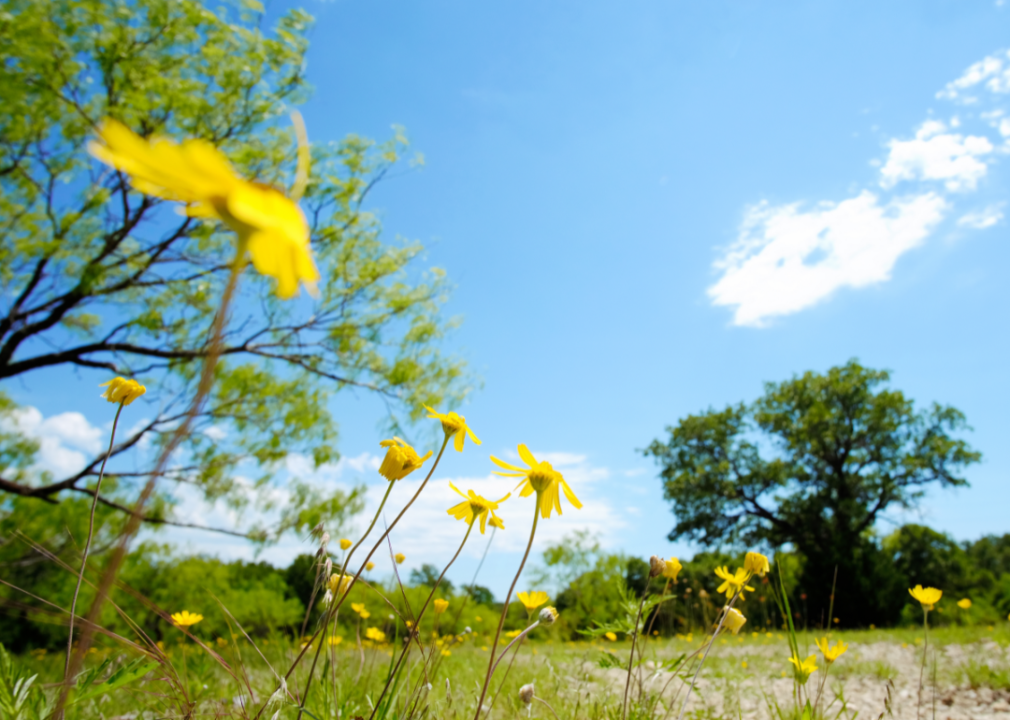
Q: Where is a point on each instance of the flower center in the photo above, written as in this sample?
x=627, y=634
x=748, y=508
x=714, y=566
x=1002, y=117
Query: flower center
x=542, y=476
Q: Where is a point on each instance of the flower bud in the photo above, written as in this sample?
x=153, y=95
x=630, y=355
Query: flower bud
x=548, y=615
x=324, y=540
x=734, y=620
x=328, y=567
x=526, y=693
x=656, y=566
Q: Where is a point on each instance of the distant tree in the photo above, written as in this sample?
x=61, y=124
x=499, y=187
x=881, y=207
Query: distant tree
x=98, y=279
x=479, y=594
x=636, y=575
x=812, y=464
x=427, y=575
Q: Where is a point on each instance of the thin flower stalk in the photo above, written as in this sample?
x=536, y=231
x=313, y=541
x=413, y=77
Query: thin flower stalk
x=694, y=680
x=631, y=657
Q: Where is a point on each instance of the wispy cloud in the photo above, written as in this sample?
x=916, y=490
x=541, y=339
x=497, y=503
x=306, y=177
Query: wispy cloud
x=66, y=441
x=790, y=257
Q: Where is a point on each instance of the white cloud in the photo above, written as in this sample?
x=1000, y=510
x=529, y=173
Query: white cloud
x=786, y=259
x=67, y=441
x=981, y=219
x=988, y=69
x=935, y=154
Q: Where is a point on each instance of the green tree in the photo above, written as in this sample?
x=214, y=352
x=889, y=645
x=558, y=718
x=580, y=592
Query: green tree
x=813, y=464
x=427, y=575
x=97, y=277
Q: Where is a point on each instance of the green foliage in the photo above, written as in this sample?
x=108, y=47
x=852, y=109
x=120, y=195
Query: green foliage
x=812, y=463
x=427, y=575
x=97, y=276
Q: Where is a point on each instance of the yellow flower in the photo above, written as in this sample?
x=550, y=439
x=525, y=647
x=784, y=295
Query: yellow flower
x=446, y=653
x=401, y=459
x=734, y=620
x=121, y=390
x=453, y=424
x=612, y=637
x=375, y=634
x=964, y=603
x=831, y=654
x=513, y=633
x=399, y=557
x=360, y=609
x=532, y=600
x=369, y=566
x=475, y=506
x=733, y=583
x=441, y=606
x=186, y=618
x=549, y=615
x=804, y=669
x=269, y=224
x=539, y=477
x=335, y=640
x=345, y=543
x=673, y=568
x=339, y=584
x=927, y=597
x=756, y=564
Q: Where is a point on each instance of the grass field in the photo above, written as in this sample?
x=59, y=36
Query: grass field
x=967, y=675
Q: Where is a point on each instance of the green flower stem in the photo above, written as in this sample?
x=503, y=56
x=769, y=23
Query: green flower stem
x=922, y=669
x=501, y=621
x=338, y=601
x=631, y=658
x=415, y=630
x=87, y=546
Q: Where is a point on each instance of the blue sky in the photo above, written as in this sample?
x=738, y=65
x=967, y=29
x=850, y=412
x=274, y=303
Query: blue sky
x=650, y=209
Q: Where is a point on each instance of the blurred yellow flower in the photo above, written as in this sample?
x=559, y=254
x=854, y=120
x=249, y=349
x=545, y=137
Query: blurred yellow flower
x=401, y=459
x=734, y=583
x=345, y=543
x=734, y=620
x=540, y=477
x=549, y=615
x=513, y=633
x=335, y=640
x=221, y=642
x=612, y=637
x=756, y=563
x=186, y=618
x=831, y=654
x=927, y=597
x=804, y=669
x=360, y=609
x=121, y=390
x=269, y=224
x=532, y=600
x=446, y=653
x=673, y=568
x=375, y=634
x=399, y=557
x=369, y=566
x=964, y=603
x=339, y=584
x=453, y=424
x=475, y=506
x=441, y=606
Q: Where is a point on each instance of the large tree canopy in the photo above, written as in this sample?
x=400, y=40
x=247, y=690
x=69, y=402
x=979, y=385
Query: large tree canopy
x=97, y=277
x=813, y=463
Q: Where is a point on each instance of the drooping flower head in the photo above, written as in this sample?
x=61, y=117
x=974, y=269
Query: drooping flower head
x=734, y=620
x=186, y=618
x=120, y=390
x=441, y=606
x=541, y=478
x=803, y=670
x=401, y=459
x=830, y=653
x=673, y=568
x=927, y=597
x=532, y=600
x=269, y=224
x=369, y=566
x=475, y=506
x=964, y=603
x=345, y=543
x=657, y=566
x=756, y=564
x=339, y=584
x=732, y=584
x=527, y=693
x=453, y=424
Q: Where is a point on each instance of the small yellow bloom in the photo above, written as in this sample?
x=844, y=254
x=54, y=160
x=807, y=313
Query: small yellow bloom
x=441, y=606
x=476, y=506
x=221, y=642
x=339, y=584
x=756, y=564
x=335, y=640
x=532, y=600
x=833, y=653
x=744, y=664
x=540, y=477
x=453, y=424
x=964, y=603
x=673, y=568
x=927, y=597
x=399, y=557
x=186, y=618
x=612, y=637
x=269, y=224
x=121, y=390
x=345, y=543
x=446, y=653
x=734, y=620
x=401, y=459
x=369, y=566
x=513, y=633
x=804, y=669
x=733, y=583
x=375, y=634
